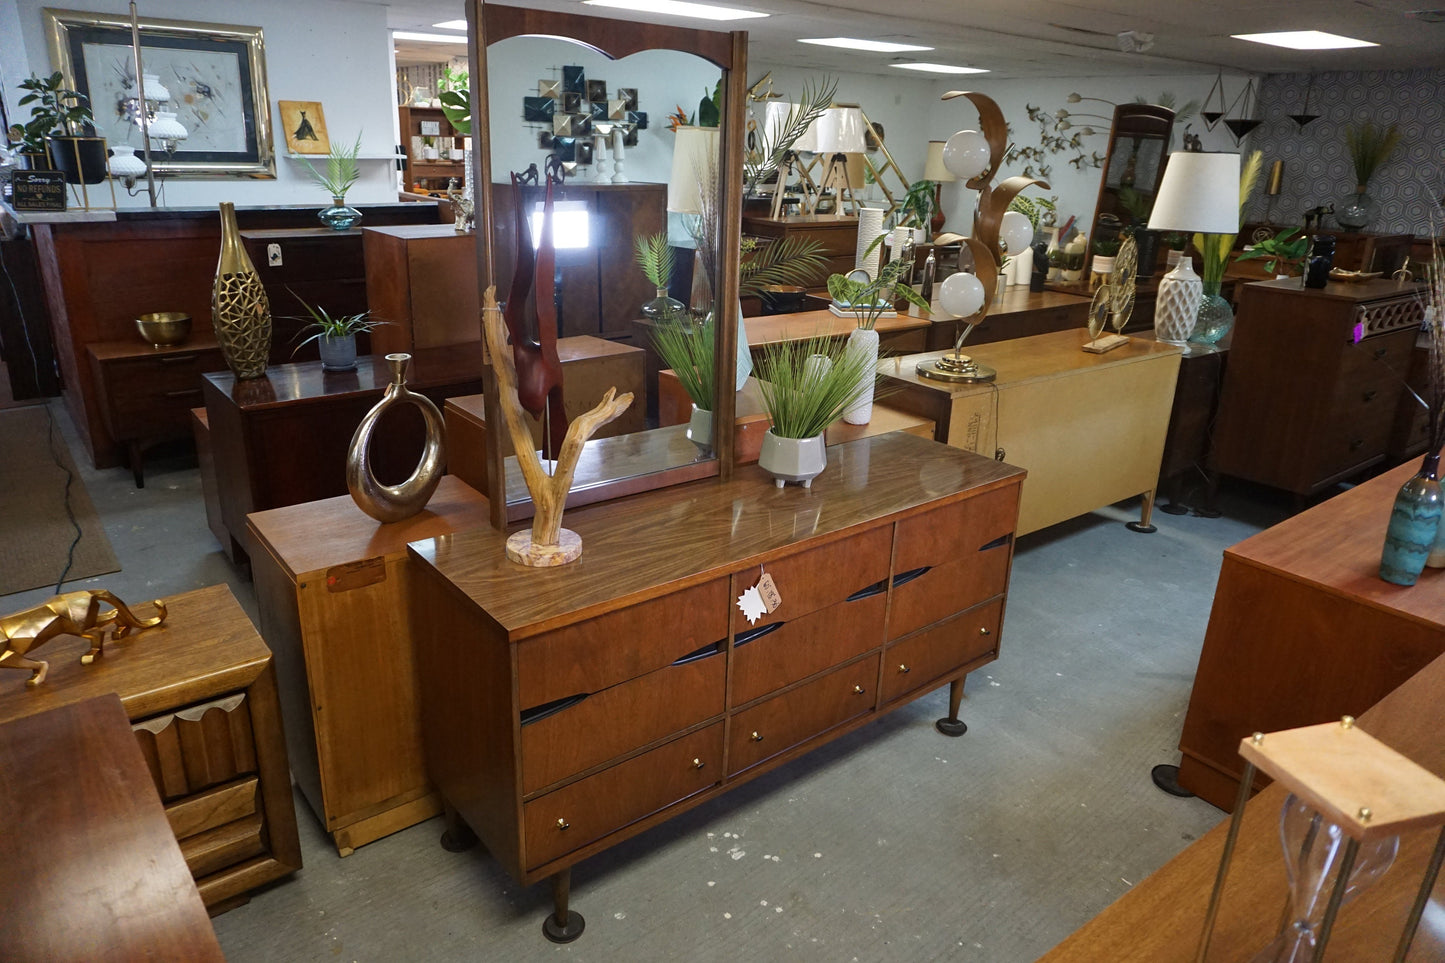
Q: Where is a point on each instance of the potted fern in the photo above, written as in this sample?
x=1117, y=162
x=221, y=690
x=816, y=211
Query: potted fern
x=868, y=300
x=1369, y=146
x=335, y=337
x=806, y=386
x=341, y=173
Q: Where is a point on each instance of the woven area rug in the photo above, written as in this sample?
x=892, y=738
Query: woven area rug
x=36, y=529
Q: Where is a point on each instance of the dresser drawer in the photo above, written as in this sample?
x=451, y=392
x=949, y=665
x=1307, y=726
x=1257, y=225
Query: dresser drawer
x=820, y=577
x=956, y=531
x=208, y=810
x=795, y=716
x=945, y=590
x=793, y=650
x=615, y=721
x=590, y=808
x=198, y=747
x=928, y=656
x=224, y=847
x=601, y=652
x=150, y=395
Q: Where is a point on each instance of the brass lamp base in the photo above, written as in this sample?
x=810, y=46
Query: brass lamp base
x=957, y=368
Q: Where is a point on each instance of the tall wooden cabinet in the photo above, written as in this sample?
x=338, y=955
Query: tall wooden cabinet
x=420, y=172
x=1314, y=381
x=567, y=709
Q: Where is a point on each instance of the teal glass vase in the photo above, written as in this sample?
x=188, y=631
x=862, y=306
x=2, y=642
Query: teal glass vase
x=1216, y=317
x=338, y=216
x=1414, y=523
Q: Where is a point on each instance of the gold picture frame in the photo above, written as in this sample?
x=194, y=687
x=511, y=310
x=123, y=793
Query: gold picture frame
x=215, y=73
x=304, y=124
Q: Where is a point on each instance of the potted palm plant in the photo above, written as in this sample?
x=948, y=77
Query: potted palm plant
x=61, y=124
x=868, y=300
x=687, y=347
x=1369, y=146
x=654, y=256
x=335, y=337
x=806, y=386
x=341, y=173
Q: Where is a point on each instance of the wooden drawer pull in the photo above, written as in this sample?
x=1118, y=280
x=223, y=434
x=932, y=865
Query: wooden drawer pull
x=904, y=669
x=1380, y=353
x=698, y=764
x=177, y=358
x=877, y=588
x=1369, y=395
x=1354, y=445
x=752, y=635
x=563, y=824
x=859, y=689
x=903, y=578
x=183, y=393
x=756, y=736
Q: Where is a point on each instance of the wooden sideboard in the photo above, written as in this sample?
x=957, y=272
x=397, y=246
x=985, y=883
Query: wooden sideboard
x=1089, y=428
x=1304, y=631
x=332, y=589
x=1160, y=920
x=200, y=693
x=92, y=868
x=317, y=266
x=567, y=709
x=1314, y=381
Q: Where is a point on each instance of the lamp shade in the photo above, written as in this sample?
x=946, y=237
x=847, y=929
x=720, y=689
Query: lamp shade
x=1199, y=193
x=841, y=131
x=808, y=143
x=693, y=153
x=967, y=154
x=166, y=127
x=934, y=169
x=775, y=120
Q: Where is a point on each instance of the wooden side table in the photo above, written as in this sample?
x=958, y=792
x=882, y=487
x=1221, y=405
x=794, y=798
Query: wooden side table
x=92, y=869
x=200, y=693
x=332, y=587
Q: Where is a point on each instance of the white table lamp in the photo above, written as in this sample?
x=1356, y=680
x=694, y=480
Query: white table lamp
x=1199, y=195
x=693, y=153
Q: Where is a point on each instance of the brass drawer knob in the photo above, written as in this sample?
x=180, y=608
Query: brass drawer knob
x=563, y=824
x=858, y=689
x=983, y=630
x=698, y=764
x=902, y=668
x=756, y=736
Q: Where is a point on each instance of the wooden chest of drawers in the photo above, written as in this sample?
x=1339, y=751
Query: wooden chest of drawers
x=837, y=233
x=200, y=691
x=147, y=393
x=564, y=710
x=1314, y=381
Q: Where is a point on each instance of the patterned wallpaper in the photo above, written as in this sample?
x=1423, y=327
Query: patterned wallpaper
x=1407, y=187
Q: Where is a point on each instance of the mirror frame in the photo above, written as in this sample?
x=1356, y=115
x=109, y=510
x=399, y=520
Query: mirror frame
x=1130, y=120
x=488, y=23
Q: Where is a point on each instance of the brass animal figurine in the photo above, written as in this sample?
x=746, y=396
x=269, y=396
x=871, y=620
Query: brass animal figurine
x=74, y=613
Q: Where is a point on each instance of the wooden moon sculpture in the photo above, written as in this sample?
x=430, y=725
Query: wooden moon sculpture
x=547, y=543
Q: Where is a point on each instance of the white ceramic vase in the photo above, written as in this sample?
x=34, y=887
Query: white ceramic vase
x=863, y=341
x=793, y=459
x=699, y=428
x=1022, y=266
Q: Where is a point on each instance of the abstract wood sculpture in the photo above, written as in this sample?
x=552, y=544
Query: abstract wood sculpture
x=74, y=613
x=547, y=543
x=538, y=368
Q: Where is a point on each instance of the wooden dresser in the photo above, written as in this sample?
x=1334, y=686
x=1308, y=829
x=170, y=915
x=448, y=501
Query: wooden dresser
x=1314, y=381
x=838, y=233
x=565, y=710
x=200, y=693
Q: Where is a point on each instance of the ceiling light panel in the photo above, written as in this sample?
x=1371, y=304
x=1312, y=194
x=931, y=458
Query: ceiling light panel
x=451, y=25
x=872, y=46
x=1304, y=40
x=428, y=37
x=679, y=8
x=941, y=68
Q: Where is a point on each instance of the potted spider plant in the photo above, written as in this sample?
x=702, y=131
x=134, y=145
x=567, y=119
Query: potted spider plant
x=341, y=172
x=335, y=337
x=868, y=300
x=61, y=125
x=806, y=386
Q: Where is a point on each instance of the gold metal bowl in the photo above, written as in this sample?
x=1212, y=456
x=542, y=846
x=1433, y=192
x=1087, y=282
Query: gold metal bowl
x=163, y=328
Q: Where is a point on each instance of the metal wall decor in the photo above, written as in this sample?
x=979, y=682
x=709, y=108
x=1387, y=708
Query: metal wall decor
x=392, y=503
x=216, y=74
x=566, y=109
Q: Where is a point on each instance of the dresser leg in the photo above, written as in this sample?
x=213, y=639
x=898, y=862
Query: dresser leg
x=953, y=725
x=562, y=925
x=458, y=836
x=137, y=463
x=1146, y=515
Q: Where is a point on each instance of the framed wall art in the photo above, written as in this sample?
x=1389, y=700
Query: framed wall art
x=304, y=124
x=215, y=73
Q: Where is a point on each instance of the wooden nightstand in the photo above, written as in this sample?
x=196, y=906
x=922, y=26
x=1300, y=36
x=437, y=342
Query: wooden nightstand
x=146, y=393
x=200, y=693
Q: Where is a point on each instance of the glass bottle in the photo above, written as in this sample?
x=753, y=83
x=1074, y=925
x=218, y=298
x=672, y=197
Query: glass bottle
x=1216, y=317
x=1414, y=523
x=338, y=216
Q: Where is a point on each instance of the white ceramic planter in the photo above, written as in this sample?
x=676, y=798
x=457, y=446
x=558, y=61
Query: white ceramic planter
x=1102, y=265
x=699, y=428
x=863, y=341
x=793, y=459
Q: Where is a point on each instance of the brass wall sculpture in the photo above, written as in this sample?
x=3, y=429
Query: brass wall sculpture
x=240, y=311
x=392, y=503
x=74, y=613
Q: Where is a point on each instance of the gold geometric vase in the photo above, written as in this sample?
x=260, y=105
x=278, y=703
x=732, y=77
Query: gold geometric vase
x=240, y=311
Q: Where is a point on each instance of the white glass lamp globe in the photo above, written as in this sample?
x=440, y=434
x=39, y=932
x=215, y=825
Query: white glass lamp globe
x=1016, y=232
x=124, y=163
x=961, y=295
x=966, y=154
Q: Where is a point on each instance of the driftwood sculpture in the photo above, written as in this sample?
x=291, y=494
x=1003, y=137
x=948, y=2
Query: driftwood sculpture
x=538, y=368
x=74, y=613
x=547, y=543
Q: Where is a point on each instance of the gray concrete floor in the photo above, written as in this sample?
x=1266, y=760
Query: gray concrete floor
x=893, y=843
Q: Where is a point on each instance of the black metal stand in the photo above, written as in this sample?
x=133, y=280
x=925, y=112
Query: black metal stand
x=952, y=725
x=1166, y=777
x=458, y=836
x=562, y=925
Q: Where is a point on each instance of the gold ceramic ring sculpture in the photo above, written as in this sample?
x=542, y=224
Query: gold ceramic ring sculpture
x=392, y=503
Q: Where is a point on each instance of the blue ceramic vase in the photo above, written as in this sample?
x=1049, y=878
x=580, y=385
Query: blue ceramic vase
x=1414, y=521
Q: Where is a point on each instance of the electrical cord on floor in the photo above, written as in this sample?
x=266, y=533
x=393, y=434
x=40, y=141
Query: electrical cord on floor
x=69, y=509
